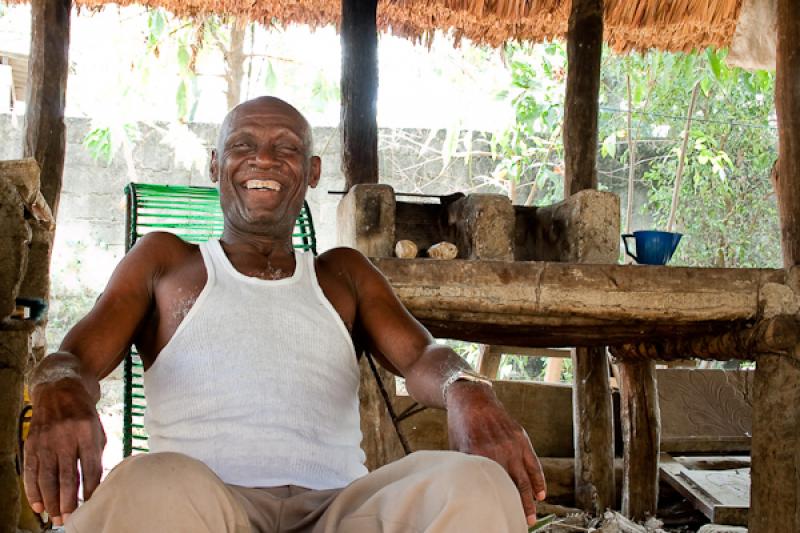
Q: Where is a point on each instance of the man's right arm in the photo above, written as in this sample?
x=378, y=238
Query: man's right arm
x=65, y=427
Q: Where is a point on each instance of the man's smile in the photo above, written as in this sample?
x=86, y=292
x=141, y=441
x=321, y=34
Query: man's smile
x=263, y=185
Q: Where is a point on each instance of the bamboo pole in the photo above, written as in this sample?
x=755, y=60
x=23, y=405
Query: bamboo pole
x=631, y=163
x=676, y=191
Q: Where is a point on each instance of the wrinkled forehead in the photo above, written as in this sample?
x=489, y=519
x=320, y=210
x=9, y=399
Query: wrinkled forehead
x=265, y=113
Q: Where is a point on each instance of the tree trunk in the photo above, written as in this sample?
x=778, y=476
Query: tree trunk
x=641, y=433
x=775, y=489
x=584, y=49
x=234, y=64
x=45, y=134
x=359, y=84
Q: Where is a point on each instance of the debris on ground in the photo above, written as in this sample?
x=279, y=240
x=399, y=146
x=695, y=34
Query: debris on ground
x=611, y=522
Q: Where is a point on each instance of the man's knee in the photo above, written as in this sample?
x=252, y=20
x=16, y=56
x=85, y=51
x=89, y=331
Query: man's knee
x=160, y=470
x=154, y=490
x=472, y=472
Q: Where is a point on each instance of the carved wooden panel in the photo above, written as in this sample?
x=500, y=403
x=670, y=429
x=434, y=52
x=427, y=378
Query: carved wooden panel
x=705, y=410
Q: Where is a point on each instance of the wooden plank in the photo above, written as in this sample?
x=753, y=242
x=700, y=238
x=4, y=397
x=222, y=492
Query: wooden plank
x=584, y=50
x=561, y=353
x=705, y=444
x=45, y=133
x=721, y=495
x=556, y=304
x=776, y=416
x=713, y=462
x=641, y=428
x=359, y=84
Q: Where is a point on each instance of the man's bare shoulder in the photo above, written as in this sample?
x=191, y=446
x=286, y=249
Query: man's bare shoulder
x=162, y=245
x=343, y=259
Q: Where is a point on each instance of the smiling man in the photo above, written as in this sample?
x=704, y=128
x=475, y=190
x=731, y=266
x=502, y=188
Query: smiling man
x=252, y=380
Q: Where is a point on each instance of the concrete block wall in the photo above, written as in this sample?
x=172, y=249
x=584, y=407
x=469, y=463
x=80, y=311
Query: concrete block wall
x=92, y=203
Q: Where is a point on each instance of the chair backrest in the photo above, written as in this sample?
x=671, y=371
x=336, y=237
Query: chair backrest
x=194, y=214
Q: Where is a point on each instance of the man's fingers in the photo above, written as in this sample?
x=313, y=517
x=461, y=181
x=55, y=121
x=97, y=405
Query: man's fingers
x=91, y=468
x=67, y=484
x=48, y=483
x=523, y=483
x=536, y=474
x=31, y=477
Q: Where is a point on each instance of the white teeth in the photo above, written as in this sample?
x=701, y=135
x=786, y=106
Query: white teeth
x=270, y=185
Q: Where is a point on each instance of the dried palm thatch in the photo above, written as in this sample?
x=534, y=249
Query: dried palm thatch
x=675, y=25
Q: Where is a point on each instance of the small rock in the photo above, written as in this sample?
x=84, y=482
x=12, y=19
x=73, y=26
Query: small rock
x=443, y=250
x=405, y=249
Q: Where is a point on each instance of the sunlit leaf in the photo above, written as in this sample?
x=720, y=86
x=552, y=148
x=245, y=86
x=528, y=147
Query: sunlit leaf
x=609, y=146
x=714, y=62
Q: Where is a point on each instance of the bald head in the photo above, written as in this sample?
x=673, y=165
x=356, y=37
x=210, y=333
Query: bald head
x=262, y=105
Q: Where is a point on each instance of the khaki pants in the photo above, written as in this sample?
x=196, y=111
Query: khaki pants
x=433, y=492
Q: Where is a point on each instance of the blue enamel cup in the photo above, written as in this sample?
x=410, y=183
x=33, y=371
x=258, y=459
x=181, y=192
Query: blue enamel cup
x=652, y=247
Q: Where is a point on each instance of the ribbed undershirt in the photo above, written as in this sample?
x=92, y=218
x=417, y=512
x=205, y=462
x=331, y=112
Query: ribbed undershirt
x=260, y=382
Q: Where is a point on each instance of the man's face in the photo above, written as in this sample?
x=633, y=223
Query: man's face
x=263, y=166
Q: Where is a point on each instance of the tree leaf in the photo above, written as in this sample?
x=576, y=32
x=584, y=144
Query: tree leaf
x=270, y=78
x=715, y=63
x=609, y=146
x=184, y=56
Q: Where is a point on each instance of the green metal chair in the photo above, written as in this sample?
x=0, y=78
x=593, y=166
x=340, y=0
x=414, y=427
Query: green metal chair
x=194, y=214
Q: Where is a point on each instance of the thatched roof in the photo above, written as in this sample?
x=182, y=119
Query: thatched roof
x=630, y=24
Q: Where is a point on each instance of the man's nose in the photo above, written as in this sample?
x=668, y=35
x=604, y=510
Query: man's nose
x=265, y=157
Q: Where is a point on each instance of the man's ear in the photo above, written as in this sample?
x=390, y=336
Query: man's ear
x=314, y=171
x=214, y=166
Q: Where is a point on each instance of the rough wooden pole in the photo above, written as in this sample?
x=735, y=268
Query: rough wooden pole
x=359, y=84
x=584, y=49
x=641, y=432
x=48, y=66
x=775, y=489
x=594, y=430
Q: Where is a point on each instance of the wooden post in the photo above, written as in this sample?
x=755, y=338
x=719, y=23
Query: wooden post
x=775, y=489
x=641, y=433
x=584, y=49
x=359, y=92
x=45, y=134
x=594, y=430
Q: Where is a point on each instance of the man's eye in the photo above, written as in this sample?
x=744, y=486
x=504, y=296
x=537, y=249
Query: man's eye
x=287, y=148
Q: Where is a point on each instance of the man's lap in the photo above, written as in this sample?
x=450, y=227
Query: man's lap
x=408, y=495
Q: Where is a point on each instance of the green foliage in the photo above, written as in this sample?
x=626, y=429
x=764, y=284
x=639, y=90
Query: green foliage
x=104, y=140
x=532, y=150
x=726, y=208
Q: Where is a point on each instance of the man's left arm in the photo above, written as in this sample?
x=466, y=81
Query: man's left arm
x=477, y=422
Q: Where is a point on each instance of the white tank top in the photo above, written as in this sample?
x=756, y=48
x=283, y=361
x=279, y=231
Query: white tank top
x=260, y=382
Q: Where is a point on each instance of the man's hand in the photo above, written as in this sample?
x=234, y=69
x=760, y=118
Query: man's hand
x=478, y=424
x=65, y=428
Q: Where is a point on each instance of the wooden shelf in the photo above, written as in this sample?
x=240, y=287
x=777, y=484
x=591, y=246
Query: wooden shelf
x=542, y=304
